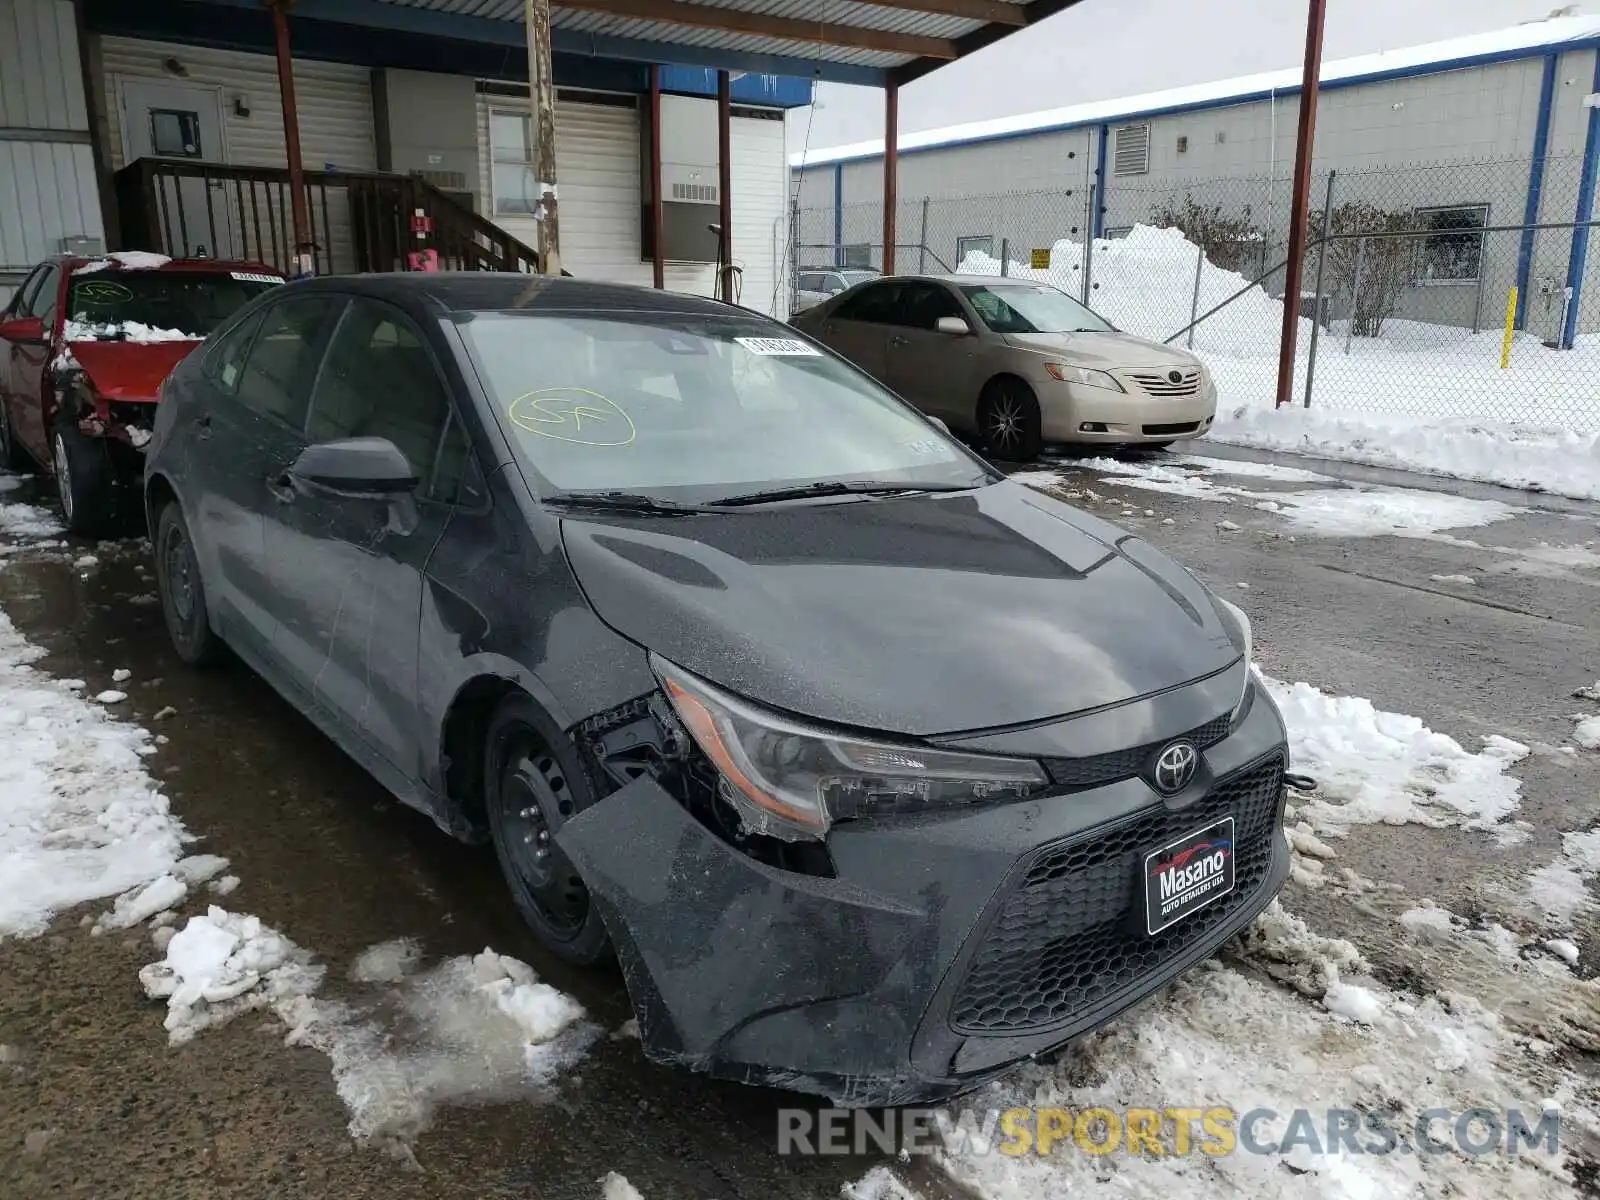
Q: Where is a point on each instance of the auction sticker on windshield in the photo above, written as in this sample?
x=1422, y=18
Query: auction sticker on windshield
x=1186, y=875
x=770, y=347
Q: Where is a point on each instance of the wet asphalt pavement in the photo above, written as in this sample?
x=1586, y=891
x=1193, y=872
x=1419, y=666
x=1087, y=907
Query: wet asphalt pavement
x=330, y=859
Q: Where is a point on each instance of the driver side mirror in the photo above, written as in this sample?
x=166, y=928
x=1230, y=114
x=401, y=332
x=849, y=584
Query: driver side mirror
x=954, y=326
x=23, y=329
x=356, y=467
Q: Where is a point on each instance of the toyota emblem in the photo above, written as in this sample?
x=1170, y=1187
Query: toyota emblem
x=1175, y=376
x=1175, y=767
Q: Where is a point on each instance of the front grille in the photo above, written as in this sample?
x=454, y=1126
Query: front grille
x=1072, y=935
x=1175, y=427
x=1098, y=769
x=1161, y=383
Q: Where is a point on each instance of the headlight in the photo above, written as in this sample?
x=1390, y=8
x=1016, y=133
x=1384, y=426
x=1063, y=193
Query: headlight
x=1070, y=374
x=792, y=781
x=1243, y=637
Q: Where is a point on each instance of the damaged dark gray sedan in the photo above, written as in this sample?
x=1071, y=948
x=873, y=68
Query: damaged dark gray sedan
x=876, y=771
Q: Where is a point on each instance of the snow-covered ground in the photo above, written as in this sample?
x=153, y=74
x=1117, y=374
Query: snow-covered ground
x=1332, y=510
x=1422, y=397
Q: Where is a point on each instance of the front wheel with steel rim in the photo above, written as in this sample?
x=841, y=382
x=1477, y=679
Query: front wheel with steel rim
x=1008, y=421
x=183, y=594
x=82, y=481
x=534, y=783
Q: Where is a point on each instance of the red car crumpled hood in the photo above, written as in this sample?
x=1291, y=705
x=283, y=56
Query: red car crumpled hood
x=129, y=370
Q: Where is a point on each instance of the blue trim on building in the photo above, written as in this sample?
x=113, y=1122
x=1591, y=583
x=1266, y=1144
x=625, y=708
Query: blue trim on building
x=1530, y=212
x=1097, y=219
x=838, y=214
x=1423, y=69
x=152, y=20
x=773, y=91
x=1585, y=211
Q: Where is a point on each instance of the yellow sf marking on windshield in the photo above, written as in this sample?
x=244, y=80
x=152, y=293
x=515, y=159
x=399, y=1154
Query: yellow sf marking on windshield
x=562, y=414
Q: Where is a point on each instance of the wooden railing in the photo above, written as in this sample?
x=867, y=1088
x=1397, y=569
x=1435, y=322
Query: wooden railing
x=360, y=220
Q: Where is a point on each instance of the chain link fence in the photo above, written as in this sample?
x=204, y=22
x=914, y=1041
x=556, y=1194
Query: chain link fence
x=1407, y=294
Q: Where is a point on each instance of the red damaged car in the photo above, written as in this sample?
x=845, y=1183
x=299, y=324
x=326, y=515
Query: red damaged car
x=85, y=344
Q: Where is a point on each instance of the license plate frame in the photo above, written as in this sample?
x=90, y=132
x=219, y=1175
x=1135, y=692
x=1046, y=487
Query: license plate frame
x=1206, y=887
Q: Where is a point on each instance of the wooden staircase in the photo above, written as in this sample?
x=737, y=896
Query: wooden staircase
x=360, y=220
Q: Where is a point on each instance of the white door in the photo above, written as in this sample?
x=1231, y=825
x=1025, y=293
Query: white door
x=183, y=122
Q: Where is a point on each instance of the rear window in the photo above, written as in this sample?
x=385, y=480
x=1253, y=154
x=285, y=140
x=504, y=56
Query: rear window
x=116, y=305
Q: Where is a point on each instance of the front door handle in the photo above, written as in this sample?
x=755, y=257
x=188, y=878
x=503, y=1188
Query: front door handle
x=202, y=425
x=897, y=340
x=281, y=487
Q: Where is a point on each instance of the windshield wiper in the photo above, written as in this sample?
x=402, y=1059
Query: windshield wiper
x=837, y=487
x=636, y=502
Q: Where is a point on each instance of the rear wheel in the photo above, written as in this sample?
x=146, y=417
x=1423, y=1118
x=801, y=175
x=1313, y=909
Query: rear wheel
x=183, y=594
x=534, y=783
x=1008, y=421
x=12, y=456
x=83, y=480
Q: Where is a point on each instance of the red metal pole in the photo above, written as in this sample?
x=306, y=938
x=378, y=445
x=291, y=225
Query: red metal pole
x=891, y=171
x=725, y=180
x=291, y=134
x=658, y=222
x=1300, y=201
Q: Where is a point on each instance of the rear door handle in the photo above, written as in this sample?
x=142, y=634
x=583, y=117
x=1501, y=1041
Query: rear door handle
x=202, y=424
x=281, y=487
x=897, y=340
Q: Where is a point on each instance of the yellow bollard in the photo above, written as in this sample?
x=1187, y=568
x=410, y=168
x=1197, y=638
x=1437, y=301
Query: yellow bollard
x=1511, y=323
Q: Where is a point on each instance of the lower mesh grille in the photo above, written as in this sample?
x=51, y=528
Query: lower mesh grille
x=1072, y=933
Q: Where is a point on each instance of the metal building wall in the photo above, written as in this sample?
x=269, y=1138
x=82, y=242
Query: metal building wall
x=45, y=157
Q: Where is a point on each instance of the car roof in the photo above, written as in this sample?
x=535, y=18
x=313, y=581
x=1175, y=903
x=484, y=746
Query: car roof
x=217, y=266
x=496, y=291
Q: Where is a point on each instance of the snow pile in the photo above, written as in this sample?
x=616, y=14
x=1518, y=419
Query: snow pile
x=1219, y=1037
x=1545, y=460
x=221, y=965
x=124, y=331
x=1559, y=890
x=879, y=1183
x=1382, y=767
x=617, y=1187
x=1587, y=732
x=80, y=818
x=1144, y=284
x=130, y=260
x=1339, y=511
x=469, y=1030
x=28, y=521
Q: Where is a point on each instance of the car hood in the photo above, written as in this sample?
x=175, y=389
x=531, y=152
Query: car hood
x=1104, y=350
x=129, y=370
x=920, y=616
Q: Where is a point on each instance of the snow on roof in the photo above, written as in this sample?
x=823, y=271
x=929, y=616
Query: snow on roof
x=1530, y=37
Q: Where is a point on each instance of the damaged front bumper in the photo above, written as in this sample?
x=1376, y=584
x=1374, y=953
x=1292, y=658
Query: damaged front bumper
x=947, y=948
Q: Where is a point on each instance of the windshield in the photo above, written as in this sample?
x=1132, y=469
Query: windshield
x=700, y=406
x=1032, y=308
x=134, y=304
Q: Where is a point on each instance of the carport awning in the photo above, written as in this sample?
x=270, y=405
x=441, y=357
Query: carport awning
x=885, y=41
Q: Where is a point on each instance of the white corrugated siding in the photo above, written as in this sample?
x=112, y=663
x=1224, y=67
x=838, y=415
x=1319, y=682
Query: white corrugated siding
x=40, y=80
x=597, y=172
x=47, y=188
x=334, y=102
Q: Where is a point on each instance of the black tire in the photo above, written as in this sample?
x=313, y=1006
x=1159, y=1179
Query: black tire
x=1008, y=421
x=533, y=782
x=83, y=480
x=12, y=455
x=182, y=590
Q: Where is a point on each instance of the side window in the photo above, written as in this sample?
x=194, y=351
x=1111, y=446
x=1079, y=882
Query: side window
x=922, y=304
x=225, y=363
x=379, y=381
x=874, y=305
x=834, y=284
x=23, y=299
x=277, y=372
x=811, y=283
x=45, y=301
x=456, y=478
